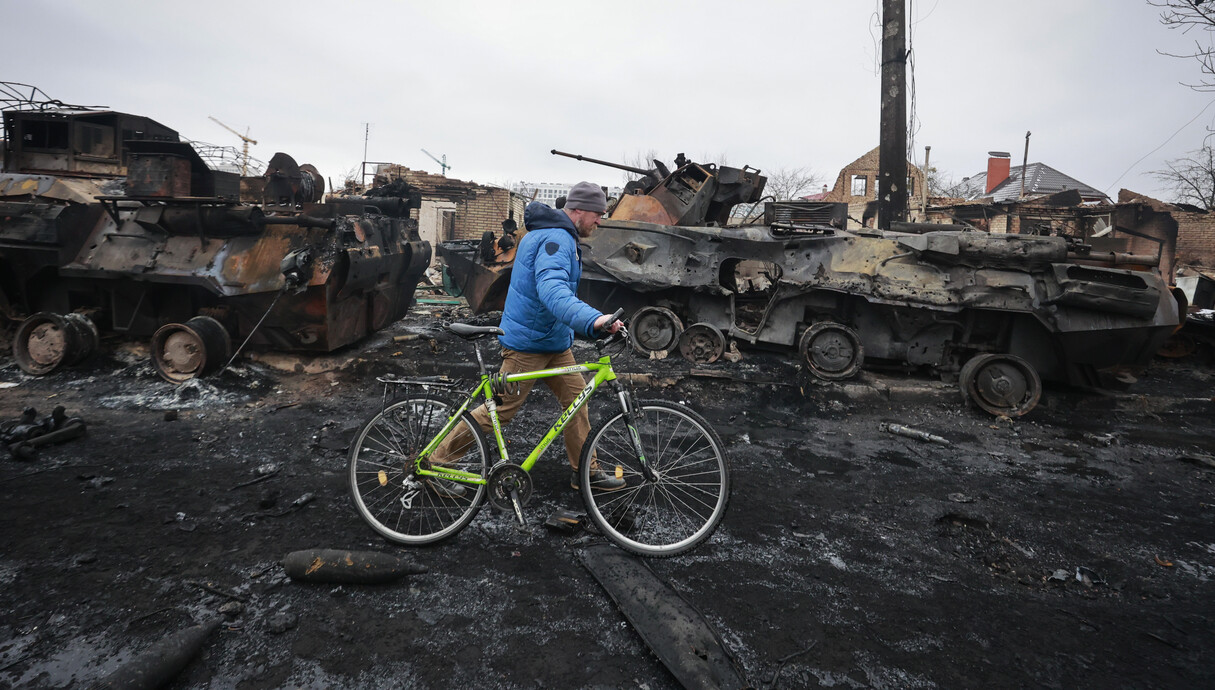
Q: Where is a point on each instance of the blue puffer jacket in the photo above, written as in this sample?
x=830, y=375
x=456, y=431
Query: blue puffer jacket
x=542, y=308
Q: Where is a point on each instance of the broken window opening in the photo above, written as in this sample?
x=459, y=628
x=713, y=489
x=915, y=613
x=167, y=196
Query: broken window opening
x=749, y=277
x=94, y=140
x=860, y=185
x=447, y=225
x=45, y=134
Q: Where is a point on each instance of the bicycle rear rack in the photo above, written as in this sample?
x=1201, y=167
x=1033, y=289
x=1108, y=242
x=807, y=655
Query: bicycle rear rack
x=421, y=383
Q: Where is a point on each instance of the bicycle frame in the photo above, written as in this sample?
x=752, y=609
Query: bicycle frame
x=603, y=373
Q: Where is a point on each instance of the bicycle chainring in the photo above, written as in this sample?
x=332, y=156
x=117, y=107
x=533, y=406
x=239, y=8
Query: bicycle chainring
x=505, y=478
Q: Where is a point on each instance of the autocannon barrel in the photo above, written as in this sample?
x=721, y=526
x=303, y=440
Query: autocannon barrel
x=618, y=166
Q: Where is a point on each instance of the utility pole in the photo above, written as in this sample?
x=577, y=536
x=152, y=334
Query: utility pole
x=1024, y=165
x=892, y=146
x=924, y=187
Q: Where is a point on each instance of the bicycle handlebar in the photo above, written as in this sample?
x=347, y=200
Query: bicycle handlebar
x=611, y=320
x=613, y=337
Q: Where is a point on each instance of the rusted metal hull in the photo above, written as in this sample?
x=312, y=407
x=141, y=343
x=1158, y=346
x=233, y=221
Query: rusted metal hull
x=155, y=238
x=483, y=285
x=144, y=276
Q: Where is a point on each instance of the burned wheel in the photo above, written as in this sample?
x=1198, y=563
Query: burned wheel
x=198, y=347
x=832, y=350
x=655, y=330
x=1001, y=384
x=46, y=341
x=702, y=343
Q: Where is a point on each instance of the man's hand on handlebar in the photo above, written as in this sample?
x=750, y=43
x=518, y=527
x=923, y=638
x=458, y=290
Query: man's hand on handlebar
x=608, y=324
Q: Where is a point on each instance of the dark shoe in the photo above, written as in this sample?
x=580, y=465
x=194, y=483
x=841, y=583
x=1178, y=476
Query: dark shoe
x=445, y=488
x=599, y=480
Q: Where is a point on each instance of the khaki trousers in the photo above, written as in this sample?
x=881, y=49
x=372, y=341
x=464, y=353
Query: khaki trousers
x=566, y=387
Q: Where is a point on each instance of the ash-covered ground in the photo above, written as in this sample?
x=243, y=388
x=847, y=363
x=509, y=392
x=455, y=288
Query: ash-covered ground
x=1072, y=548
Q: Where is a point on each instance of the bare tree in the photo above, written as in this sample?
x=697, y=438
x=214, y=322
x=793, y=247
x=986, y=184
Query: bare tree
x=1191, y=179
x=942, y=184
x=785, y=184
x=1186, y=16
x=639, y=159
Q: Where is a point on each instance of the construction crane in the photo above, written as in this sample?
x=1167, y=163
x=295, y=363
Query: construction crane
x=244, y=157
x=442, y=163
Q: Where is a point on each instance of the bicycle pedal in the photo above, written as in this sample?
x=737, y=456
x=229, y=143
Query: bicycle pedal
x=567, y=521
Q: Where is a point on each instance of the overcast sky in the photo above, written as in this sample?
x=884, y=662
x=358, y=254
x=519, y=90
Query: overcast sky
x=495, y=85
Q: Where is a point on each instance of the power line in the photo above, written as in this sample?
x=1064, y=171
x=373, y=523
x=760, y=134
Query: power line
x=1166, y=141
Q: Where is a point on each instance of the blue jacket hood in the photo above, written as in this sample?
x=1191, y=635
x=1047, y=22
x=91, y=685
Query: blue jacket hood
x=537, y=216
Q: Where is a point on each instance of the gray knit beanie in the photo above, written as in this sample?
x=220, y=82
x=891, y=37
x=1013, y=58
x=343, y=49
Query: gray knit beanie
x=587, y=197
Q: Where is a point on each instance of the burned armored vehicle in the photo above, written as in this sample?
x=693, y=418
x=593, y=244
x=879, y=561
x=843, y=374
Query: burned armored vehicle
x=693, y=194
x=998, y=312
x=166, y=249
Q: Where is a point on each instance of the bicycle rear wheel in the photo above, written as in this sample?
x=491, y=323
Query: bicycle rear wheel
x=389, y=494
x=682, y=506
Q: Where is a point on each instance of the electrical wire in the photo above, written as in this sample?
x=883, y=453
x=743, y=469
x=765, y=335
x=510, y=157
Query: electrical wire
x=1166, y=141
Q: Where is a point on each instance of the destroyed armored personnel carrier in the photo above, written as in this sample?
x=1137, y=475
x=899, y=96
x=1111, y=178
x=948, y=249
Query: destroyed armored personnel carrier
x=109, y=222
x=999, y=312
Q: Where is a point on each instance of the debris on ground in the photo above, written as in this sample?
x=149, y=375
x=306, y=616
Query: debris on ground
x=900, y=430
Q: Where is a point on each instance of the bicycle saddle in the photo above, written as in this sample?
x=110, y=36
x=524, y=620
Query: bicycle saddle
x=470, y=332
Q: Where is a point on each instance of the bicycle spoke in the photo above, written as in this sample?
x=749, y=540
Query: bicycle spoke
x=388, y=493
x=690, y=488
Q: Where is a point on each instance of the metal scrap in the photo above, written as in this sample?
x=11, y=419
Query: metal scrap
x=24, y=436
x=900, y=430
x=675, y=631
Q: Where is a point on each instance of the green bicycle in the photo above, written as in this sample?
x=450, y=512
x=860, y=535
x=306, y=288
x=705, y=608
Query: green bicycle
x=677, y=478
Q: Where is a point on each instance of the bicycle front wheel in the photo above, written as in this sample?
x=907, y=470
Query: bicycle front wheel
x=389, y=494
x=684, y=500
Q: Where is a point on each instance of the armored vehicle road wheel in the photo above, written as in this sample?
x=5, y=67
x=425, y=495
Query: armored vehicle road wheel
x=1001, y=384
x=198, y=347
x=702, y=343
x=46, y=341
x=655, y=330
x=832, y=351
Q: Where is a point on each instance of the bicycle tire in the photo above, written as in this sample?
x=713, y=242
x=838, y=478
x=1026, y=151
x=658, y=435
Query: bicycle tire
x=680, y=510
x=387, y=493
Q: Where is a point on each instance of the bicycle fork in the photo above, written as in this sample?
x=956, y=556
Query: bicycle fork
x=629, y=406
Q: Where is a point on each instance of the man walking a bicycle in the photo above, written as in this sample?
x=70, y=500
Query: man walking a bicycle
x=541, y=316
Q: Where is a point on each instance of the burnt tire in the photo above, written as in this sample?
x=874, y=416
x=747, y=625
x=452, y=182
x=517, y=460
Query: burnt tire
x=46, y=341
x=390, y=496
x=832, y=351
x=1002, y=385
x=183, y=351
x=702, y=343
x=655, y=331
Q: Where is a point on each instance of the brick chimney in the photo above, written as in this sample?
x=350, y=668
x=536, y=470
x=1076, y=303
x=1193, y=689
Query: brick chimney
x=997, y=169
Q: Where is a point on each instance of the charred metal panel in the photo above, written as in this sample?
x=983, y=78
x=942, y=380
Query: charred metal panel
x=806, y=214
x=159, y=176
x=929, y=299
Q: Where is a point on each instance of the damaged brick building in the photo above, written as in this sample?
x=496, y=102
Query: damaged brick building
x=454, y=209
x=856, y=186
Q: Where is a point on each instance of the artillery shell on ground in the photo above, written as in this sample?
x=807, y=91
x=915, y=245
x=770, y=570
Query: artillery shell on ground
x=162, y=661
x=348, y=567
